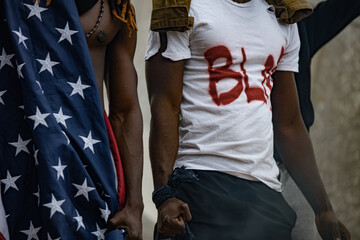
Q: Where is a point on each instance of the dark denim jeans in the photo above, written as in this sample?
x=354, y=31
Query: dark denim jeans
x=228, y=207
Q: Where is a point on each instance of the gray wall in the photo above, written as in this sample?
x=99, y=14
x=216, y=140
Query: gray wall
x=336, y=132
x=143, y=10
x=335, y=135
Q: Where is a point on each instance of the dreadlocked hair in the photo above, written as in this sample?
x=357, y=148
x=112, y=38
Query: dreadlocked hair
x=121, y=9
x=47, y=2
x=124, y=11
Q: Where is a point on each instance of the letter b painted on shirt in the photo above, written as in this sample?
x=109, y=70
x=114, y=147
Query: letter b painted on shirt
x=219, y=73
x=216, y=74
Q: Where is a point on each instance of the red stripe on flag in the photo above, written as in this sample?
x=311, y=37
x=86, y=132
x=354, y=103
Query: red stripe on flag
x=2, y=237
x=117, y=160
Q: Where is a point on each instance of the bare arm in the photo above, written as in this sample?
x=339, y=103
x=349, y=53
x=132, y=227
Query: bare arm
x=295, y=148
x=164, y=81
x=126, y=121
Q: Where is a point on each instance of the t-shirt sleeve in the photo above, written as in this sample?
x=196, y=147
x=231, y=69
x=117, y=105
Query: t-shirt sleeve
x=290, y=59
x=178, y=45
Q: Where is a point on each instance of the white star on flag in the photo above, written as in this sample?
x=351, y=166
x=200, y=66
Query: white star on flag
x=66, y=33
x=99, y=233
x=38, y=83
x=61, y=118
x=89, y=142
x=32, y=232
x=10, y=181
x=39, y=118
x=105, y=213
x=60, y=170
x=67, y=139
x=83, y=189
x=22, y=38
x=5, y=59
x=36, y=152
x=49, y=237
x=79, y=220
x=47, y=64
x=19, y=68
x=22, y=107
x=35, y=10
x=20, y=145
x=55, y=206
x=78, y=88
x=2, y=93
x=37, y=194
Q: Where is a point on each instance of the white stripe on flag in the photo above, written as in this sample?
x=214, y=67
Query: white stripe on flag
x=3, y=224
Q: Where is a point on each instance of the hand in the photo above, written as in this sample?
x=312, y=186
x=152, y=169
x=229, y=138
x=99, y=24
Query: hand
x=330, y=228
x=128, y=218
x=172, y=216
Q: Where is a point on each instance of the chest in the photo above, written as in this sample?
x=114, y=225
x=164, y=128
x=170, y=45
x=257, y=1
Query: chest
x=252, y=32
x=100, y=20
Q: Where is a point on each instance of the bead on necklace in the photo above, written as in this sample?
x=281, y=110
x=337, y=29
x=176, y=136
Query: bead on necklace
x=98, y=21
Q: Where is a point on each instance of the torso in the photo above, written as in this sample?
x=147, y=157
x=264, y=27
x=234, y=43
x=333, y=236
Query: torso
x=109, y=26
x=225, y=122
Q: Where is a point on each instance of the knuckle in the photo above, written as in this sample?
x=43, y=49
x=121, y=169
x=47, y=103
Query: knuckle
x=184, y=205
x=182, y=228
x=162, y=229
x=112, y=223
x=166, y=220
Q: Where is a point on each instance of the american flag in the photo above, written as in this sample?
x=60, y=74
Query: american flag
x=56, y=173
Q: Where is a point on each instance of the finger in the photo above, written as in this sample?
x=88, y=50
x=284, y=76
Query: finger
x=160, y=235
x=345, y=234
x=115, y=223
x=111, y=226
x=336, y=234
x=171, y=231
x=134, y=236
x=165, y=233
x=185, y=212
x=172, y=226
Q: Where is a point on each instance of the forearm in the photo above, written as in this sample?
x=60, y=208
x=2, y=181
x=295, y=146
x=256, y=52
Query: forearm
x=295, y=148
x=164, y=142
x=164, y=81
x=128, y=130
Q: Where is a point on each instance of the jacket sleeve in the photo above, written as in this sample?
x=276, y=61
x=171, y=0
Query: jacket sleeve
x=328, y=19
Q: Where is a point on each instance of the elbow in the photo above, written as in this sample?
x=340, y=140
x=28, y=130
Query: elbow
x=290, y=126
x=288, y=133
x=161, y=108
x=123, y=114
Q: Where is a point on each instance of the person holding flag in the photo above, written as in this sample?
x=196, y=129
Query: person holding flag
x=57, y=174
x=222, y=93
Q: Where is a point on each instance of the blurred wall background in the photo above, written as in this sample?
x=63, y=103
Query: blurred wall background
x=336, y=132
x=335, y=135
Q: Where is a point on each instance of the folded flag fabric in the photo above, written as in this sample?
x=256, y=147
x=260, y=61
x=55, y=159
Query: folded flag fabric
x=56, y=173
x=4, y=232
x=117, y=161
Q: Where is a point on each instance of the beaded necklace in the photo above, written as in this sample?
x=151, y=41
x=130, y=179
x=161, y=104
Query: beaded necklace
x=98, y=21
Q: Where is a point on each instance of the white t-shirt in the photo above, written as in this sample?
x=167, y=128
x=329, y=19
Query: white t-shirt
x=225, y=113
